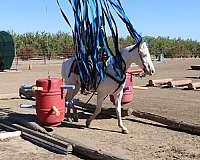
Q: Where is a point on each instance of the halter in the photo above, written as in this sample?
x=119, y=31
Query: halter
x=141, y=58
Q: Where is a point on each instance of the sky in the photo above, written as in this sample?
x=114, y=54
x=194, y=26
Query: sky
x=173, y=18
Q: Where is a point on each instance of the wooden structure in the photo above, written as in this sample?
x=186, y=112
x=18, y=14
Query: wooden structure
x=195, y=67
x=194, y=85
x=159, y=82
x=179, y=83
x=170, y=123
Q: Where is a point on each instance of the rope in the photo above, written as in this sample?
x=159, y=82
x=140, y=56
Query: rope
x=47, y=40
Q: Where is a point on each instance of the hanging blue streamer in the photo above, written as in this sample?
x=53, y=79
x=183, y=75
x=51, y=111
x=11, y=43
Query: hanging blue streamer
x=91, y=19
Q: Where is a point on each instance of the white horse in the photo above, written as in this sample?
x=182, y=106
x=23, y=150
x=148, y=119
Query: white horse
x=139, y=55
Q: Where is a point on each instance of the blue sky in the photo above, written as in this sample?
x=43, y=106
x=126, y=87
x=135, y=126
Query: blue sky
x=173, y=18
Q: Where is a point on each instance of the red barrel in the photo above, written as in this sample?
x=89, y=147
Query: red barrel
x=127, y=91
x=50, y=103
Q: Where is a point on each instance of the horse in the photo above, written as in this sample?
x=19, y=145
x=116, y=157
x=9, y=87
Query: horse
x=132, y=54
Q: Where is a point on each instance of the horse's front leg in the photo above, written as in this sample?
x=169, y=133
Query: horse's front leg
x=118, y=98
x=100, y=99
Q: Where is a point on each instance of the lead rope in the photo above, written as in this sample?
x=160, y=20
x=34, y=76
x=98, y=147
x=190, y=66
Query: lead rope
x=47, y=42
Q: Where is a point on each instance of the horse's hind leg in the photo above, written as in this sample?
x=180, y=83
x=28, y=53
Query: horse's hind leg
x=118, y=112
x=100, y=99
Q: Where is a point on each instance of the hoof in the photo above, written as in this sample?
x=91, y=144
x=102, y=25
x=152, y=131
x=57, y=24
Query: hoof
x=87, y=123
x=125, y=131
x=75, y=118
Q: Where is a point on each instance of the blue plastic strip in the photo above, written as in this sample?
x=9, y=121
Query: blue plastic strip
x=91, y=19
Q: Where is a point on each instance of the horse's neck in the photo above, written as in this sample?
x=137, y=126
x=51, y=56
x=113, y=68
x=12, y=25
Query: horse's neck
x=129, y=57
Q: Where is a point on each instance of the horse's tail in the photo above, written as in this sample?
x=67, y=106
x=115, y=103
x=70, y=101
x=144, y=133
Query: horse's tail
x=66, y=67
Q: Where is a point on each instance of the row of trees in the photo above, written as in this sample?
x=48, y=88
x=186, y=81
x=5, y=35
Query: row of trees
x=31, y=45
x=61, y=44
x=173, y=47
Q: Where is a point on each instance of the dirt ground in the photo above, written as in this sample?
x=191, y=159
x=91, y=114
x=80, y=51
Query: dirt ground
x=146, y=140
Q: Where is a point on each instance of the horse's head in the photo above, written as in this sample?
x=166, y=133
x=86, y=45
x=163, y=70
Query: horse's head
x=144, y=59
